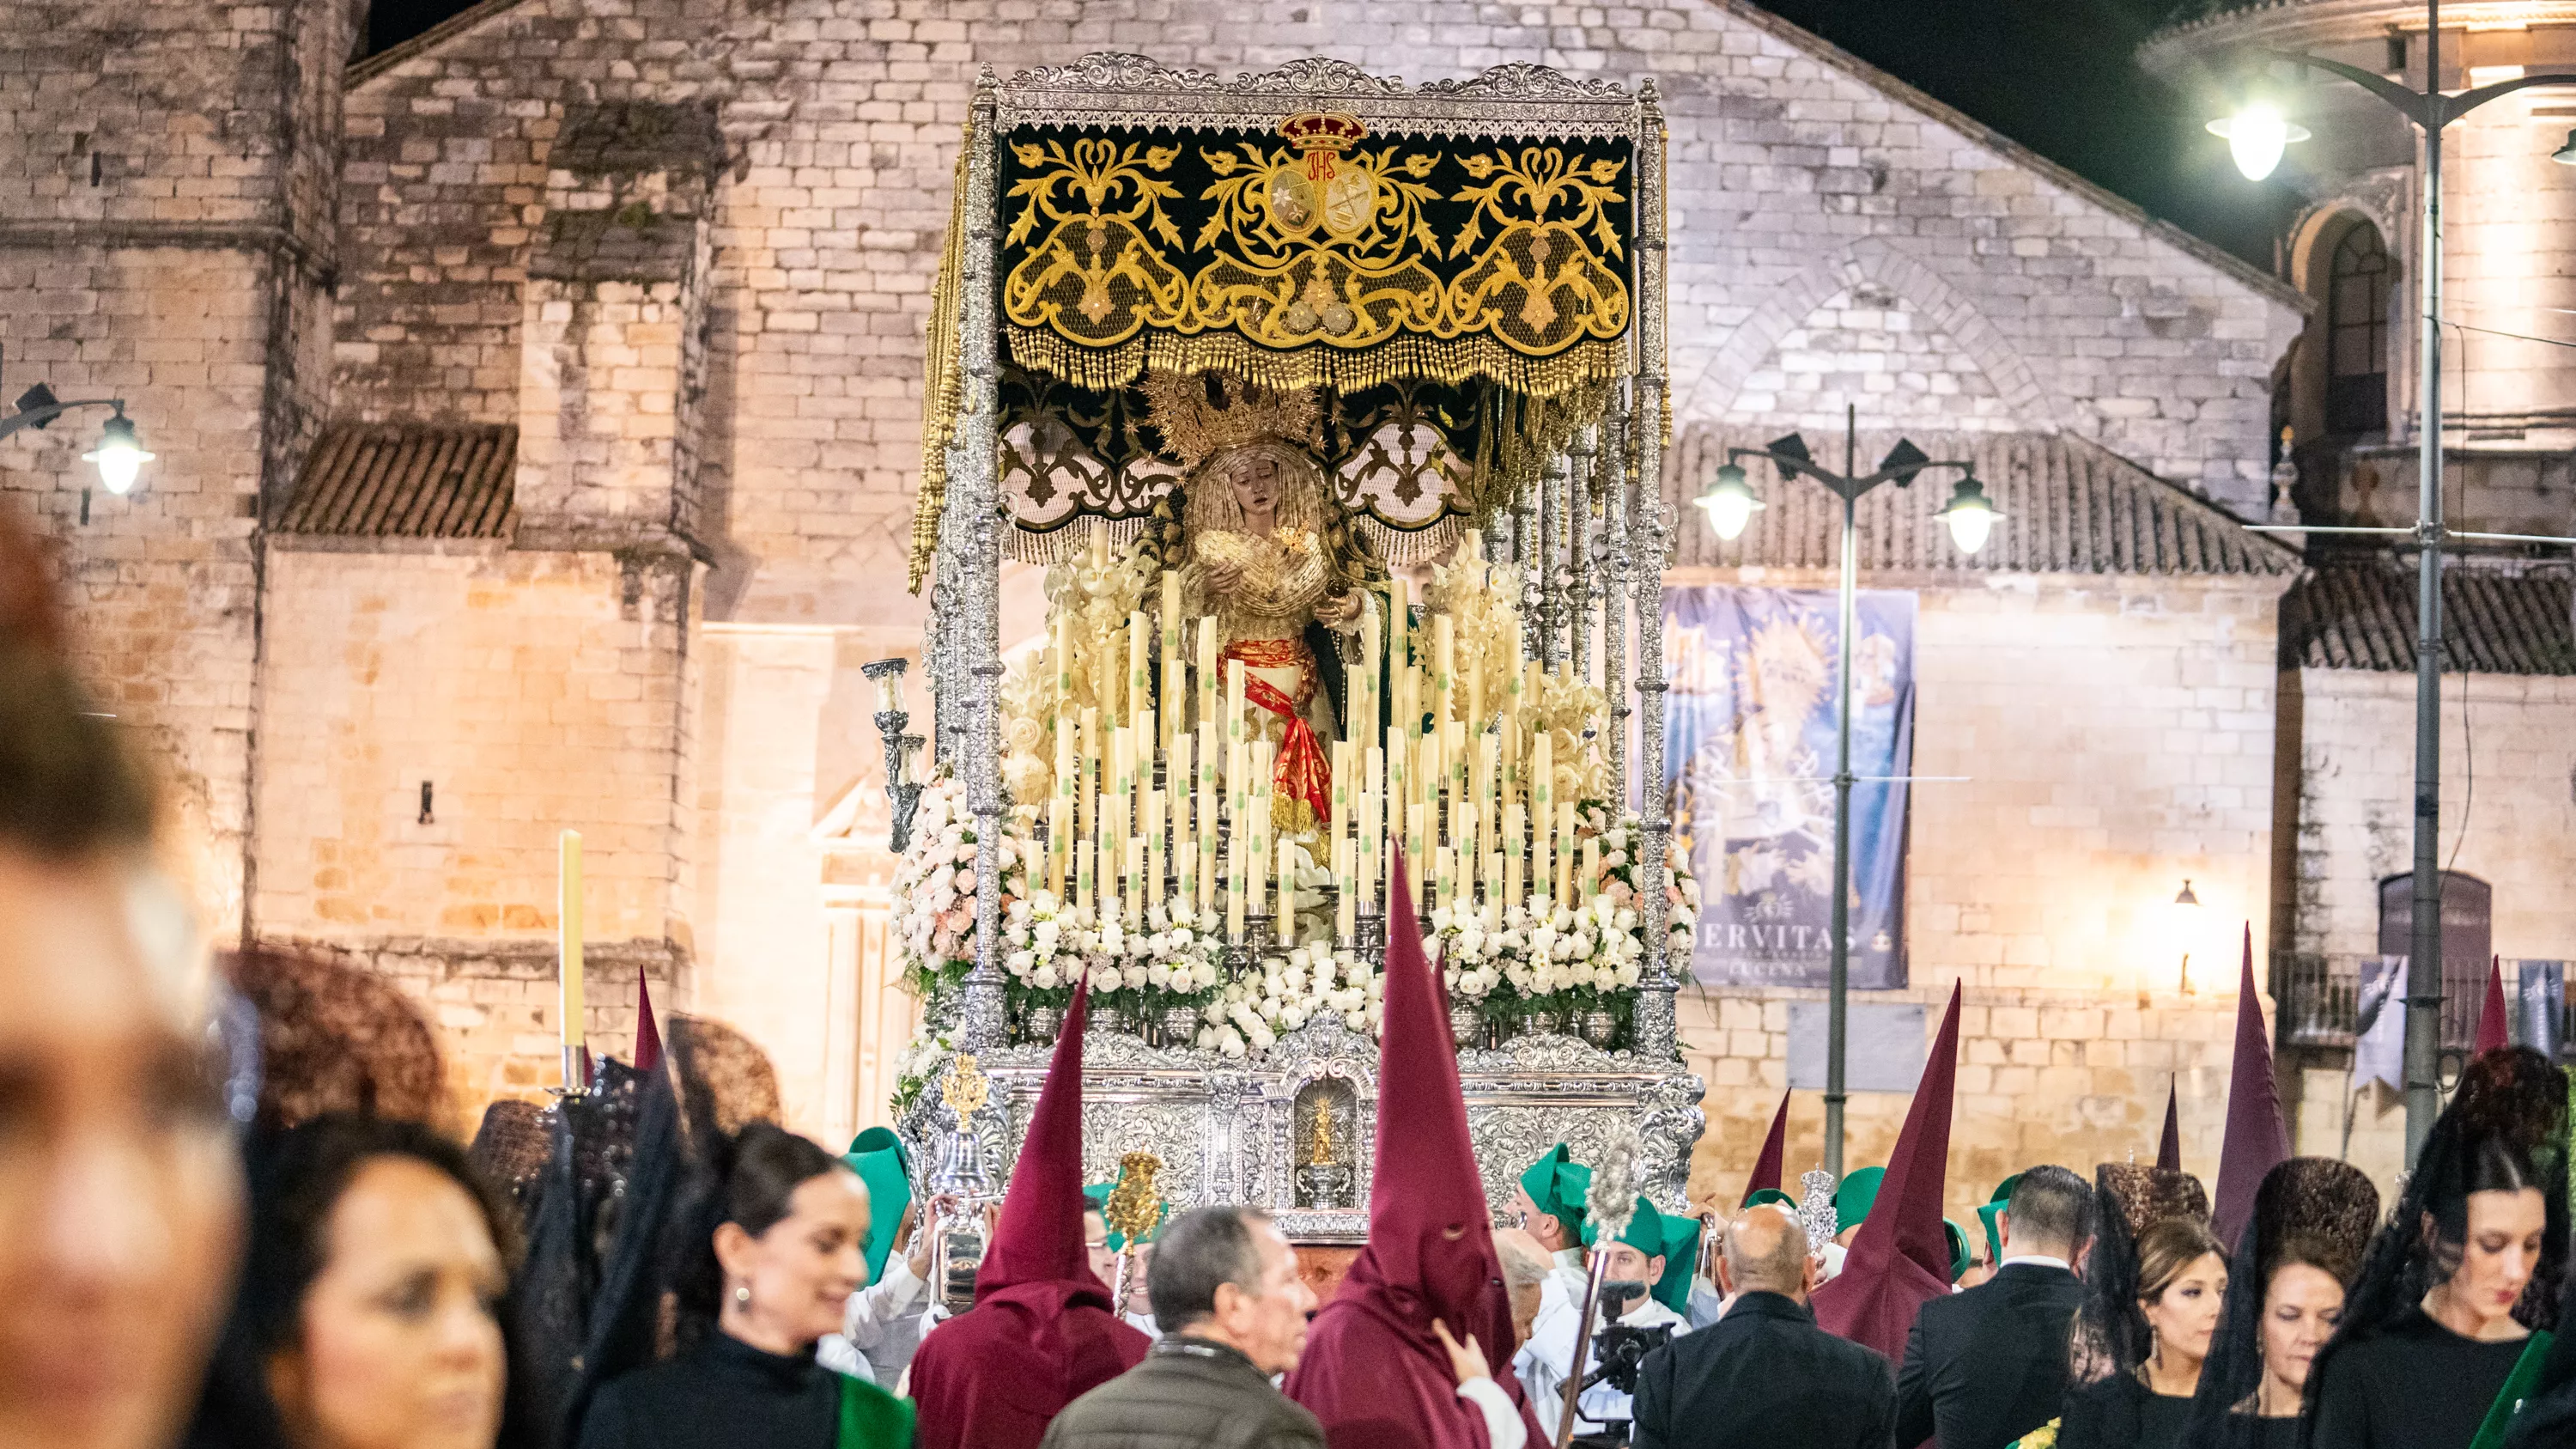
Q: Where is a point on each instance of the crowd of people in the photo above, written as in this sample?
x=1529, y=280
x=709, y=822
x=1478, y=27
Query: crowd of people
x=229, y=1219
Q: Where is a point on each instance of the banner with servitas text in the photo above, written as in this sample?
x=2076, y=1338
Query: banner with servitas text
x=1749, y=761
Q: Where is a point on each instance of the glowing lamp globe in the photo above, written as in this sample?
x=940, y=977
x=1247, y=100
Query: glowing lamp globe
x=1730, y=503
x=1970, y=515
x=2256, y=136
x=119, y=455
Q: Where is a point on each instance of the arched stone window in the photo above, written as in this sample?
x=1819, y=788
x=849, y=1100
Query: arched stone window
x=2357, y=298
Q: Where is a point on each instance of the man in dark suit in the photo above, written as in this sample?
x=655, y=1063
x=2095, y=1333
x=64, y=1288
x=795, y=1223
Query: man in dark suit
x=1984, y=1367
x=1765, y=1376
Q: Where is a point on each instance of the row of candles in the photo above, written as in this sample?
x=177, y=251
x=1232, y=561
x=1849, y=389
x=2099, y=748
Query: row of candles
x=1139, y=796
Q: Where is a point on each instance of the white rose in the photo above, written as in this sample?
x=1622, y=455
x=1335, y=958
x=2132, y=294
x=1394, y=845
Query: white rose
x=1020, y=962
x=1043, y=978
x=1358, y=1021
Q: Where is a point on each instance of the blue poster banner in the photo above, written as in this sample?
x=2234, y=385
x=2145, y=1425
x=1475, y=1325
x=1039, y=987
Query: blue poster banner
x=1749, y=761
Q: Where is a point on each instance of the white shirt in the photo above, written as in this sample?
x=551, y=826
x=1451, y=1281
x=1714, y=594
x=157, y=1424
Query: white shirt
x=1503, y=1427
x=1145, y=1324
x=1542, y=1361
x=1565, y=1281
x=2041, y=1260
x=877, y=1324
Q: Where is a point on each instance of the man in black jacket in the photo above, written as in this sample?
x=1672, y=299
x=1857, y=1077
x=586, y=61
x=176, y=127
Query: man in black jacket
x=1764, y=1376
x=1233, y=1312
x=1984, y=1367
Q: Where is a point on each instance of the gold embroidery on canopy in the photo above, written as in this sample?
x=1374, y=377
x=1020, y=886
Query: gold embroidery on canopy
x=1322, y=265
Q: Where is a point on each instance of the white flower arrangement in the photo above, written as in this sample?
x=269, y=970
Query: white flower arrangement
x=933, y=921
x=1249, y=1014
x=913, y=1064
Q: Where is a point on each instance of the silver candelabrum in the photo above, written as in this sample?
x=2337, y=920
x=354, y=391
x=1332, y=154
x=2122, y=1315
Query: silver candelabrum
x=903, y=787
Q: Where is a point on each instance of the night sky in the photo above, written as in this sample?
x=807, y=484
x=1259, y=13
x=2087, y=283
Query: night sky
x=2056, y=75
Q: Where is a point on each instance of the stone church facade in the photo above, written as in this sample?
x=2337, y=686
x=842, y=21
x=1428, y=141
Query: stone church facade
x=538, y=415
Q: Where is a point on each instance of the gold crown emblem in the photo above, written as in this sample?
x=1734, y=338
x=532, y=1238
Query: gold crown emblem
x=1334, y=131
x=963, y=1087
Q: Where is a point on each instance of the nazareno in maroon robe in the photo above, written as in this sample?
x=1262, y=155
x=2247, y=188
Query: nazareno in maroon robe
x=1041, y=1333
x=1373, y=1372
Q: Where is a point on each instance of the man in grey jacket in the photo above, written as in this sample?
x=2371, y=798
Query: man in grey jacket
x=1233, y=1312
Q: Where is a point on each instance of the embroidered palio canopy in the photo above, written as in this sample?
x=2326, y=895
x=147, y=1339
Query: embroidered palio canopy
x=1453, y=272
x=1315, y=254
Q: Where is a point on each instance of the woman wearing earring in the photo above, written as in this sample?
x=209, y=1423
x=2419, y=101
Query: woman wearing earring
x=2312, y=1218
x=2468, y=1266
x=2181, y=1280
x=756, y=1294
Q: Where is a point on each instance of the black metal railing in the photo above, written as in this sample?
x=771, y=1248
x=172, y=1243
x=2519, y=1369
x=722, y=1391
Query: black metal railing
x=2318, y=999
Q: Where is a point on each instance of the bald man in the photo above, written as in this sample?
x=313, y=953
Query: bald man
x=1765, y=1375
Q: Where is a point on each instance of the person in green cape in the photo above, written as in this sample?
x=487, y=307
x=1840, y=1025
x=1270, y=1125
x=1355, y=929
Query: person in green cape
x=1657, y=1250
x=1549, y=1200
x=883, y=1325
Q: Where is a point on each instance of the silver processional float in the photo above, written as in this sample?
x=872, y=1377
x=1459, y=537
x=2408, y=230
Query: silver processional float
x=1333, y=409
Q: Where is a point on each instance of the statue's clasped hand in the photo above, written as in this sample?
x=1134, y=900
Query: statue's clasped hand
x=1336, y=610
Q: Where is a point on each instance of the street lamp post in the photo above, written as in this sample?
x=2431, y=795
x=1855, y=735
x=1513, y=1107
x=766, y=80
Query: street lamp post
x=2257, y=135
x=119, y=454
x=1730, y=503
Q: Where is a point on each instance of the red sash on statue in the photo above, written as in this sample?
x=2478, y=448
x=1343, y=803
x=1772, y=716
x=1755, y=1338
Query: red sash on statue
x=1300, y=769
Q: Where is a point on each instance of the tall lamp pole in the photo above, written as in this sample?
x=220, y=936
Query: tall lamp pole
x=2256, y=136
x=1970, y=515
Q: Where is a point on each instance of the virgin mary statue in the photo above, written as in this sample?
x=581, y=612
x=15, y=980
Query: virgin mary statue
x=1263, y=547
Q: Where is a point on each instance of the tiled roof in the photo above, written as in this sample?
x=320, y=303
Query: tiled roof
x=2359, y=613
x=407, y=480
x=2069, y=506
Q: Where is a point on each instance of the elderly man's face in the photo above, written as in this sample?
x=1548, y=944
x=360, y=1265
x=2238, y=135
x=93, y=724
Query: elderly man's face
x=120, y=1193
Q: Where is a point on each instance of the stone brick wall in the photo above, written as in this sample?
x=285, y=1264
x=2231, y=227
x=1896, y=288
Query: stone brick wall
x=2047, y=888
x=2508, y=803
x=2044, y=1076
x=165, y=174
x=535, y=691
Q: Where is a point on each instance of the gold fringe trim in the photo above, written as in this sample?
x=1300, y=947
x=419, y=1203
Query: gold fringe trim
x=1068, y=540
x=942, y=373
x=1588, y=364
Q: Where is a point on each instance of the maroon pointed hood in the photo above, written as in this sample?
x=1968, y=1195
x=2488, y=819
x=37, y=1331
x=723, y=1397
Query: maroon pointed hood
x=1039, y=1235
x=1373, y=1371
x=1040, y=1334
x=2492, y=1018
x=648, y=1037
x=1901, y=1259
x=1766, y=1168
x=2256, y=1141
x=2169, y=1147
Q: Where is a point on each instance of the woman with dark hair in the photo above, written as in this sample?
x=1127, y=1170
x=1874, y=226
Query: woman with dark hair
x=2312, y=1218
x=2145, y=1401
x=2465, y=1269
x=369, y=1310
x=756, y=1291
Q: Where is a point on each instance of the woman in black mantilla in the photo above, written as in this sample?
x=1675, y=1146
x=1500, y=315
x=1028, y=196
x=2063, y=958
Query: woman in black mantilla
x=757, y=1238
x=2466, y=1268
x=2313, y=1217
x=2152, y=1289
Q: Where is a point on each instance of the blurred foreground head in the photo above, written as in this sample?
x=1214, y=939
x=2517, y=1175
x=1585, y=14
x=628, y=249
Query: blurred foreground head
x=119, y=1189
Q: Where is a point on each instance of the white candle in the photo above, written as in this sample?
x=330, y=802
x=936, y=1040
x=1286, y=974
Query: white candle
x=568, y=925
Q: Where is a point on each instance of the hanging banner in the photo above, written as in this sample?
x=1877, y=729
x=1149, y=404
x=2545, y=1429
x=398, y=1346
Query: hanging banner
x=1749, y=745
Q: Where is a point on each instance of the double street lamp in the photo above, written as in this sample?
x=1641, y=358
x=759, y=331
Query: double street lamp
x=2256, y=136
x=1731, y=503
